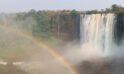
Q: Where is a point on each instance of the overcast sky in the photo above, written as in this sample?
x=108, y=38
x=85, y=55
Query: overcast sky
x=25, y=5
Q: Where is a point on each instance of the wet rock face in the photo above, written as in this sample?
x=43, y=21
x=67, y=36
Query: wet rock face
x=111, y=66
x=119, y=28
x=66, y=26
x=92, y=68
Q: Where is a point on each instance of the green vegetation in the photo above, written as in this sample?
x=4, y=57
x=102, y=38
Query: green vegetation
x=113, y=9
x=46, y=24
x=51, y=24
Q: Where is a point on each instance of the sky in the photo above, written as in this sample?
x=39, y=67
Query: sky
x=26, y=5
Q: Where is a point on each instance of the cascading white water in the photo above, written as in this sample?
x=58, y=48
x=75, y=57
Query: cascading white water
x=97, y=32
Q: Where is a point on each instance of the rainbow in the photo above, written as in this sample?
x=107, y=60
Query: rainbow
x=44, y=45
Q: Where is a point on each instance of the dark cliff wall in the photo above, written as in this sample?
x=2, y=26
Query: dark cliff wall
x=66, y=26
x=119, y=28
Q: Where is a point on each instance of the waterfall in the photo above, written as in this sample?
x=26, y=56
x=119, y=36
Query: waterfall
x=97, y=31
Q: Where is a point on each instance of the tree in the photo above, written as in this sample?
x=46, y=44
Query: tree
x=115, y=8
x=74, y=11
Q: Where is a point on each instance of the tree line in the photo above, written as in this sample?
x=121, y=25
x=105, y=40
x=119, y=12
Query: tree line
x=113, y=9
x=44, y=23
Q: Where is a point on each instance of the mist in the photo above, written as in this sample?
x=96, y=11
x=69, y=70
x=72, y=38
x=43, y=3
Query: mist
x=19, y=48
x=25, y=46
